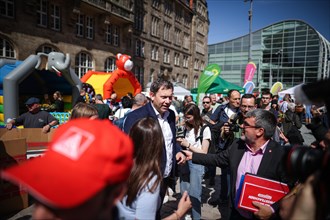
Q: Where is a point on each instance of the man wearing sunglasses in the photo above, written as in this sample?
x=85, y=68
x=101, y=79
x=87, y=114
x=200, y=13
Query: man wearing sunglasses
x=34, y=118
x=257, y=154
x=229, y=132
x=207, y=108
x=206, y=114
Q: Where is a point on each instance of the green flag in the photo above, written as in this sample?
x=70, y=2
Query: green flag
x=210, y=73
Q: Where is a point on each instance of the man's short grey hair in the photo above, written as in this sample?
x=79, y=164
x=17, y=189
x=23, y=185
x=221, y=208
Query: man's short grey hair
x=291, y=106
x=140, y=99
x=160, y=82
x=264, y=119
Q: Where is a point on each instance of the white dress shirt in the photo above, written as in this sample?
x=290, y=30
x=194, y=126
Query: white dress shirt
x=168, y=137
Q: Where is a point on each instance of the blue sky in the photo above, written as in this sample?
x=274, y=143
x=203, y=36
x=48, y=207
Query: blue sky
x=229, y=18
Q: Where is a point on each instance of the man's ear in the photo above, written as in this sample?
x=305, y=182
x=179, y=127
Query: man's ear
x=152, y=95
x=260, y=132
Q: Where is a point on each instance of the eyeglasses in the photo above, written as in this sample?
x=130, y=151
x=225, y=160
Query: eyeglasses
x=247, y=106
x=206, y=102
x=246, y=125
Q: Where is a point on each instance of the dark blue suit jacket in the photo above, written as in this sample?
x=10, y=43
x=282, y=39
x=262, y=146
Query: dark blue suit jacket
x=148, y=111
x=271, y=166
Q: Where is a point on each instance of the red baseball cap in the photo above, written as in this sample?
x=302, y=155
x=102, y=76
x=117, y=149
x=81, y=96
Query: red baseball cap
x=83, y=158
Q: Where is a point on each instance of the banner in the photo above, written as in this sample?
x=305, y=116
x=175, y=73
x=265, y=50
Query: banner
x=210, y=73
x=249, y=87
x=250, y=69
x=276, y=88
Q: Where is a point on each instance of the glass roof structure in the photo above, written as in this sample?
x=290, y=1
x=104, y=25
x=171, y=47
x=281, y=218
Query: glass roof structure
x=291, y=52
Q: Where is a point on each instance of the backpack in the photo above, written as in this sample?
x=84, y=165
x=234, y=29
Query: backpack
x=215, y=134
x=294, y=134
x=211, y=149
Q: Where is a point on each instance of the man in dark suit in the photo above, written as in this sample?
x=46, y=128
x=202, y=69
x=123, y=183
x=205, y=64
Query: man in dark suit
x=161, y=94
x=255, y=153
x=220, y=116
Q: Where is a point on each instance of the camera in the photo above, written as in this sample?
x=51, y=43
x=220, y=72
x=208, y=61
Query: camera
x=179, y=132
x=322, y=109
x=311, y=166
x=302, y=161
x=233, y=125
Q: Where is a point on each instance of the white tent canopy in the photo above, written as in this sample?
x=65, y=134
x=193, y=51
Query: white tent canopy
x=288, y=91
x=179, y=91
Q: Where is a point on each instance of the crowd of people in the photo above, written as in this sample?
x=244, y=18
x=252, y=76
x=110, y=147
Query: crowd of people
x=136, y=163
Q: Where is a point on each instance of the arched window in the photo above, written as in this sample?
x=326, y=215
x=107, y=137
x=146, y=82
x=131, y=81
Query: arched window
x=195, y=83
x=46, y=48
x=83, y=64
x=176, y=78
x=185, y=80
x=110, y=65
x=139, y=73
x=7, y=49
x=151, y=76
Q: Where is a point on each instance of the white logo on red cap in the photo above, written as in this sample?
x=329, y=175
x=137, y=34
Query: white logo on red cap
x=73, y=143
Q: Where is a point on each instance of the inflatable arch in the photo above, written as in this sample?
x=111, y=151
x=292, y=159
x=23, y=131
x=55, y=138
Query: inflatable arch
x=35, y=76
x=121, y=80
x=6, y=65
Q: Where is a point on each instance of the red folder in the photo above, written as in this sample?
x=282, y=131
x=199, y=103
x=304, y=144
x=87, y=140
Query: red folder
x=262, y=190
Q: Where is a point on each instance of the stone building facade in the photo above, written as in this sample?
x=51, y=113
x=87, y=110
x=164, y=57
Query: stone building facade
x=165, y=38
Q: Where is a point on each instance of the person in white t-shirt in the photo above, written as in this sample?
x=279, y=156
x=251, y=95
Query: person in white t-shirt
x=197, y=138
x=126, y=107
x=172, y=107
x=286, y=100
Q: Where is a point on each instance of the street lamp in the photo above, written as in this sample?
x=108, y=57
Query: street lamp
x=279, y=54
x=250, y=29
x=270, y=77
x=328, y=72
